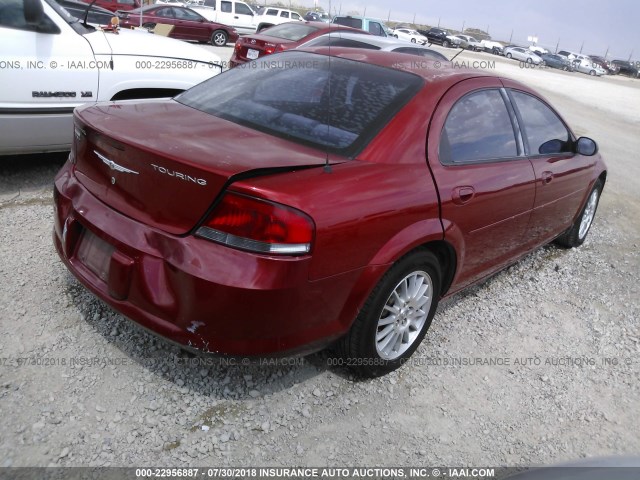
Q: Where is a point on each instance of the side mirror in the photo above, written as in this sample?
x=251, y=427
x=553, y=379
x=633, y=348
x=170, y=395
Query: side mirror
x=586, y=146
x=33, y=12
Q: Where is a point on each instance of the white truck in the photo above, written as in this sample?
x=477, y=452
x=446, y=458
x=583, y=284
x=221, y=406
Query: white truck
x=234, y=13
x=491, y=46
x=51, y=62
x=270, y=16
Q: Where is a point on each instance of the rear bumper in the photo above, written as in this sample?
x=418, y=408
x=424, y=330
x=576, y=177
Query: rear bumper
x=197, y=293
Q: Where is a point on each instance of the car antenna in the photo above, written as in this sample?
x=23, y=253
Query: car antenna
x=327, y=165
x=86, y=12
x=461, y=49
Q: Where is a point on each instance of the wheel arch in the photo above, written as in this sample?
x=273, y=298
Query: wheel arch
x=370, y=277
x=398, y=247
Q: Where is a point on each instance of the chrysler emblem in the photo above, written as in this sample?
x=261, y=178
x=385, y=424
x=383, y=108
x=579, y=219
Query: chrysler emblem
x=113, y=165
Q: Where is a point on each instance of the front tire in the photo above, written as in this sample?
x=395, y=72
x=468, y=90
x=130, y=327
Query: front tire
x=509, y=56
x=413, y=40
x=445, y=44
x=592, y=73
x=577, y=234
x=219, y=38
x=395, y=317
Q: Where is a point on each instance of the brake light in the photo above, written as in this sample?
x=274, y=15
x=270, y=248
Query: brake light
x=238, y=45
x=270, y=48
x=260, y=226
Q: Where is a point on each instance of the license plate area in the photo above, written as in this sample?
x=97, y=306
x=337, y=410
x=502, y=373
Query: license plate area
x=252, y=54
x=95, y=254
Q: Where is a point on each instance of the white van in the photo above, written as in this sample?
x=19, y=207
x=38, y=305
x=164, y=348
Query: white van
x=234, y=13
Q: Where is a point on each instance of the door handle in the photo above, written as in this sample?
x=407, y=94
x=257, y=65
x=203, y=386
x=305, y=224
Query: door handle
x=462, y=195
x=546, y=177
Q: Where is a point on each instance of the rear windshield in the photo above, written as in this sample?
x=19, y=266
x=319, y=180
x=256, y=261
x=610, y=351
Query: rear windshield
x=290, y=31
x=330, y=103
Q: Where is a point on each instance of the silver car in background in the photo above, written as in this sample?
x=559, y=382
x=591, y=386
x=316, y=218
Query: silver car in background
x=522, y=54
x=372, y=42
x=472, y=43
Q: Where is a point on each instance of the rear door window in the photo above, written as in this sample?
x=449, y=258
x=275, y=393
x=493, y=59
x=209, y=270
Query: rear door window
x=478, y=128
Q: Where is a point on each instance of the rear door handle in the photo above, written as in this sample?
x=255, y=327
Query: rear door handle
x=462, y=195
x=546, y=177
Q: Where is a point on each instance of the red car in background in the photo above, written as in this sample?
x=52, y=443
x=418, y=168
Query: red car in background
x=281, y=37
x=326, y=196
x=187, y=24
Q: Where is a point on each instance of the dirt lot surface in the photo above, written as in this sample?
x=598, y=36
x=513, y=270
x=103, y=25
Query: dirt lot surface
x=80, y=385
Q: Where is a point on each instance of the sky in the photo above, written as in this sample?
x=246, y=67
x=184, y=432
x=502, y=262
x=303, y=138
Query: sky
x=594, y=25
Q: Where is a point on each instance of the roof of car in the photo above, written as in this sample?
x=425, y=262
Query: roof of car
x=361, y=35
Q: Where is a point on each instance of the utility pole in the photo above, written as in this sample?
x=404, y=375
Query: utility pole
x=630, y=55
x=414, y=19
x=463, y=22
x=557, y=45
x=606, y=53
x=388, y=16
x=581, y=46
x=365, y=11
x=511, y=36
x=438, y=22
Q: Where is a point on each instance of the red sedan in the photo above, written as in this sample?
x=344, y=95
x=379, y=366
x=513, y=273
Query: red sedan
x=281, y=37
x=317, y=200
x=187, y=24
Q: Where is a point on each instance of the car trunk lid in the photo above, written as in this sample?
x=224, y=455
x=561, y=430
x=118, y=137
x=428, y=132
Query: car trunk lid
x=163, y=163
x=255, y=46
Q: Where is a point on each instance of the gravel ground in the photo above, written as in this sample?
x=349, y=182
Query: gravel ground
x=537, y=365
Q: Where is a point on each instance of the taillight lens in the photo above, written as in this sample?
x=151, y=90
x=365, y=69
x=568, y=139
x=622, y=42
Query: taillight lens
x=270, y=48
x=238, y=45
x=260, y=226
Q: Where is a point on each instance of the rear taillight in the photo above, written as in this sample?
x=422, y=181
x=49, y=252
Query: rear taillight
x=270, y=48
x=260, y=226
x=238, y=45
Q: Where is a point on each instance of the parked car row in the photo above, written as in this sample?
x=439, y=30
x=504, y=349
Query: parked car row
x=593, y=65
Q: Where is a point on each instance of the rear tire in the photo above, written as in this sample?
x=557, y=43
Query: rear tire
x=445, y=44
x=577, y=234
x=413, y=40
x=395, y=317
x=592, y=73
x=508, y=55
x=149, y=26
x=219, y=38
